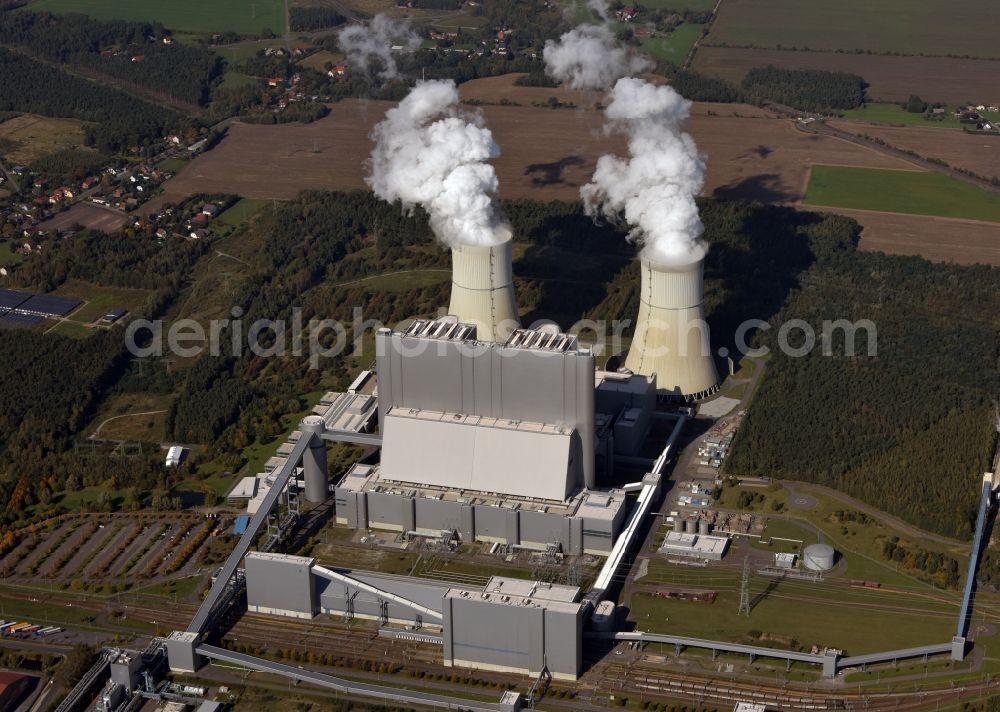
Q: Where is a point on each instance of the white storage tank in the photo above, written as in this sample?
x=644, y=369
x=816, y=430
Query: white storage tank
x=818, y=557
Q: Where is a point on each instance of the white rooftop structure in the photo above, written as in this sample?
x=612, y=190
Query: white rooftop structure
x=695, y=546
x=175, y=455
x=246, y=488
x=473, y=452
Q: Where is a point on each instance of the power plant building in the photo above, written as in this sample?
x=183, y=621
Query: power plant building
x=496, y=442
x=515, y=625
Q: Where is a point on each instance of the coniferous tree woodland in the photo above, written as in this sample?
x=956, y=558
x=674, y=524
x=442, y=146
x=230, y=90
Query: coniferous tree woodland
x=808, y=89
x=131, y=52
x=305, y=19
x=119, y=120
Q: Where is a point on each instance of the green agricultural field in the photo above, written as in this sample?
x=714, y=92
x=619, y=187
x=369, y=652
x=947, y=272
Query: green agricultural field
x=915, y=192
x=894, y=114
x=249, y=17
x=680, y=5
x=930, y=27
x=675, y=47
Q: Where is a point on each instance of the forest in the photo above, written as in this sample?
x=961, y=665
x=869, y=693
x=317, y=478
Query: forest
x=305, y=19
x=130, y=52
x=120, y=121
x=806, y=89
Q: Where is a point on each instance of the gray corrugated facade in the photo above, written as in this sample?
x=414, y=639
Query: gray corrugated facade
x=509, y=634
x=492, y=380
x=585, y=527
x=280, y=585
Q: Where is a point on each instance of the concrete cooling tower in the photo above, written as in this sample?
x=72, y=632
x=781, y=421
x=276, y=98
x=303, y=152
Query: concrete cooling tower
x=671, y=337
x=482, y=290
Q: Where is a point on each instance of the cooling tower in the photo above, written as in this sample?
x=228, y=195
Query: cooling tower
x=482, y=289
x=671, y=336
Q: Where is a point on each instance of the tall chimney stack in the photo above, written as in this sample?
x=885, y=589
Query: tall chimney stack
x=482, y=289
x=671, y=336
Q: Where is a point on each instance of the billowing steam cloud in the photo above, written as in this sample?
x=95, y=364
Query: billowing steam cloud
x=370, y=46
x=655, y=188
x=429, y=152
x=589, y=57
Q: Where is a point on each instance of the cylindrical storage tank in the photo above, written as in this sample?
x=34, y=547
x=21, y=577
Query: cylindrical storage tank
x=818, y=557
x=690, y=526
x=314, y=463
x=671, y=336
x=704, y=527
x=678, y=525
x=482, y=289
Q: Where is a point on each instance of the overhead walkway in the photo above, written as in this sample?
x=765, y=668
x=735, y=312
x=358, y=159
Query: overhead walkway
x=281, y=476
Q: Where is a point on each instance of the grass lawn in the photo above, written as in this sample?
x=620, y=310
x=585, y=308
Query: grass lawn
x=72, y=329
x=7, y=254
x=895, y=114
x=825, y=615
x=37, y=136
x=915, y=192
x=680, y=5
x=675, y=47
x=248, y=17
x=100, y=300
x=235, y=80
x=129, y=426
x=172, y=165
x=241, y=211
x=960, y=28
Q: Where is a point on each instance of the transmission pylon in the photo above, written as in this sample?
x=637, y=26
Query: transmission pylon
x=745, y=588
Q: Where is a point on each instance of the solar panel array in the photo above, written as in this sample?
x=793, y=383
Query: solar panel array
x=15, y=319
x=10, y=299
x=27, y=309
x=48, y=305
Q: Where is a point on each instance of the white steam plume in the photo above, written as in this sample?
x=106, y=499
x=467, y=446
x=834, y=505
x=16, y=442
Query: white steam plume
x=370, y=46
x=429, y=152
x=589, y=57
x=655, y=188
x=601, y=8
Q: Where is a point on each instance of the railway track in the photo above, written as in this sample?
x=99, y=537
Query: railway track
x=613, y=677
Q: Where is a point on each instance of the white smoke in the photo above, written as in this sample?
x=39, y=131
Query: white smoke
x=655, y=188
x=589, y=57
x=601, y=8
x=429, y=152
x=370, y=46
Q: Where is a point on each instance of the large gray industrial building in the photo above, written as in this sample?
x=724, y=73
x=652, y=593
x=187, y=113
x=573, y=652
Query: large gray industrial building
x=497, y=442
